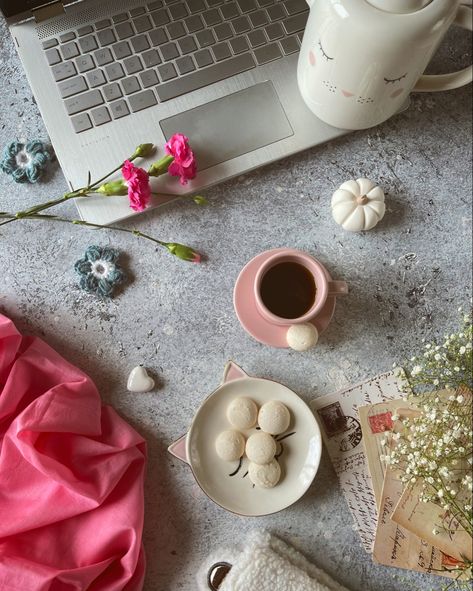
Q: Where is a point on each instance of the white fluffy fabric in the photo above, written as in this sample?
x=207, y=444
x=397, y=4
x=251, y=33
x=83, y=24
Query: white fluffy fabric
x=266, y=563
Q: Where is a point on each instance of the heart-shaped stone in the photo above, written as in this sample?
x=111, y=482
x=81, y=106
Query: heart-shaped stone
x=139, y=380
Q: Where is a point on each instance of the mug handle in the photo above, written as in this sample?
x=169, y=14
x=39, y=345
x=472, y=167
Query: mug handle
x=435, y=83
x=337, y=288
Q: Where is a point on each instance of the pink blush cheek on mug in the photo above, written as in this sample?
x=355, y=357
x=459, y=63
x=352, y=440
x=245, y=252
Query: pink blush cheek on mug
x=312, y=58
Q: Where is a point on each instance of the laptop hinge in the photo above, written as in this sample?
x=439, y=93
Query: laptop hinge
x=48, y=11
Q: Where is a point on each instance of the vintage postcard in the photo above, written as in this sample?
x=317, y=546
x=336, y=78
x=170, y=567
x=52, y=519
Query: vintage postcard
x=341, y=430
x=396, y=546
x=376, y=425
x=422, y=518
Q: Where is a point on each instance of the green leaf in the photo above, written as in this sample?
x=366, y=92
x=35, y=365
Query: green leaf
x=200, y=200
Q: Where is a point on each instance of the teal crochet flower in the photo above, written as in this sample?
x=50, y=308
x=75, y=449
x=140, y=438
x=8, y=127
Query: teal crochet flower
x=25, y=162
x=99, y=272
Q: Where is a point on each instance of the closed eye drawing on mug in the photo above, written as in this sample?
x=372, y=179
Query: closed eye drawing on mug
x=357, y=67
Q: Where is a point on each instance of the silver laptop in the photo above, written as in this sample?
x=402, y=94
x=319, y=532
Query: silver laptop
x=111, y=74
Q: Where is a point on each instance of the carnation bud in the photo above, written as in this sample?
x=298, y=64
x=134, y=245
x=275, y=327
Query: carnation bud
x=183, y=252
x=143, y=151
x=113, y=188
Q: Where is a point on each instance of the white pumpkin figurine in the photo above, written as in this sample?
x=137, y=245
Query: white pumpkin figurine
x=358, y=205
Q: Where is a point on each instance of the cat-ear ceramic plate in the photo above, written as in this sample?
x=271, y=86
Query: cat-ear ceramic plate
x=227, y=483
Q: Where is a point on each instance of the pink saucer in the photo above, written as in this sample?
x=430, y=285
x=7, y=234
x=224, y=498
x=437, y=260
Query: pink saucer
x=252, y=321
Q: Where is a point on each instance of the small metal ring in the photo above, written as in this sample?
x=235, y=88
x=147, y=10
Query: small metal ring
x=224, y=568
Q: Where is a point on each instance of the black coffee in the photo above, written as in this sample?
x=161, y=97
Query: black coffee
x=288, y=290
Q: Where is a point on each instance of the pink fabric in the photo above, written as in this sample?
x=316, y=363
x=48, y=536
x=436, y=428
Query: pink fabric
x=71, y=477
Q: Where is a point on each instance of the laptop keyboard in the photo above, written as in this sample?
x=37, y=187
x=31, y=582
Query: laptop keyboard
x=154, y=53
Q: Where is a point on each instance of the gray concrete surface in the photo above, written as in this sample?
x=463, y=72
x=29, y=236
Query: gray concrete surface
x=178, y=318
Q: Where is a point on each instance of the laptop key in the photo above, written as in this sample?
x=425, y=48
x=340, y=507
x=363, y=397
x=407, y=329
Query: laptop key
x=205, y=38
x=247, y=5
x=101, y=116
x=176, y=30
x=213, y=3
x=121, y=50
x=160, y=17
x=69, y=51
x=195, y=6
x=103, y=24
x=137, y=11
x=212, y=17
x=133, y=64
x=72, y=86
x=139, y=43
x=169, y=51
x=264, y=3
x=203, y=58
x=84, y=101
x=241, y=25
x=295, y=6
x=81, y=31
x=81, y=123
x=276, y=12
x=178, y=11
x=106, y=37
x=124, y=30
x=63, y=71
x=148, y=78
x=53, y=57
x=114, y=72
x=120, y=18
x=167, y=72
x=221, y=51
x=96, y=78
x=274, y=31
x=142, y=24
x=119, y=109
x=131, y=85
x=257, y=38
x=155, y=5
x=259, y=18
x=50, y=43
x=88, y=44
x=103, y=57
x=268, y=53
x=289, y=45
x=85, y=63
x=187, y=45
x=296, y=23
x=64, y=38
x=143, y=100
x=185, y=65
x=151, y=58
x=112, y=92
x=223, y=31
x=209, y=75
x=229, y=10
x=194, y=23
x=158, y=37
x=239, y=44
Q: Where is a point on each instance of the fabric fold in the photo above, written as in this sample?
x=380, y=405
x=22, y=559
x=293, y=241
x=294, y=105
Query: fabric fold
x=71, y=477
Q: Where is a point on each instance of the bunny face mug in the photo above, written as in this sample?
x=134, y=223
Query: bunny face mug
x=360, y=59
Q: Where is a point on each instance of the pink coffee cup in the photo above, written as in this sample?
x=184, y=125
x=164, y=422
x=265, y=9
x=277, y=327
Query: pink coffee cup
x=324, y=287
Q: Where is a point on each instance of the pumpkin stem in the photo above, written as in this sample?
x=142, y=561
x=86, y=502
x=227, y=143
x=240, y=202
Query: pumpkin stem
x=362, y=200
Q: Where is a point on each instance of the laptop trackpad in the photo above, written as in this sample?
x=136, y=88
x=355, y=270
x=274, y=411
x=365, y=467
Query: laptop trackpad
x=233, y=125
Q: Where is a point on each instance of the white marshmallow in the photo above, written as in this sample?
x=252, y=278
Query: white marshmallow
x=274, y=417
x=302, y=337
x=265, y=475
x=230, y=445
x=260, y=448
x=242, y=413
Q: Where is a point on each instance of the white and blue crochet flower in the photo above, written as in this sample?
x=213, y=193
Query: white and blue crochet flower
x=25, y=163
x=99, y=272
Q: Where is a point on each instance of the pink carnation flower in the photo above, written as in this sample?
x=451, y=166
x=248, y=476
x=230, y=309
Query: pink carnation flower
x=137, y=180
x=184, y=164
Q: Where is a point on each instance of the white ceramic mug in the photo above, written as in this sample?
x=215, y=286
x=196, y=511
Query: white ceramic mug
x=360, y=59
